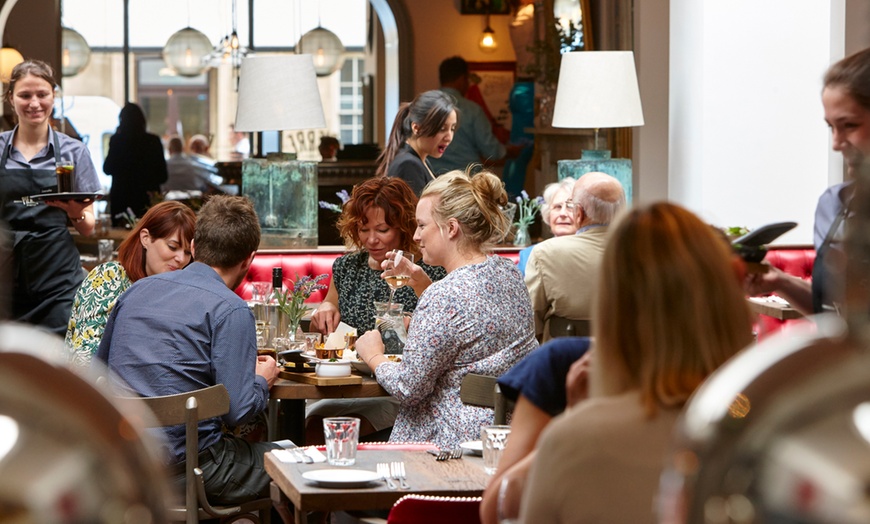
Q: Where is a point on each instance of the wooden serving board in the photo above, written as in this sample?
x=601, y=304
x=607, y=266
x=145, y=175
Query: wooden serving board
x=310, y=378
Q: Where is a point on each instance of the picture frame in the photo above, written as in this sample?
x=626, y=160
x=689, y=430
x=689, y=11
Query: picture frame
x=491, y=85
x=483, y=7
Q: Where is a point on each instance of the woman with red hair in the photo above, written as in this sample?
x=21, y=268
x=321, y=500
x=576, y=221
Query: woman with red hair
x=159, y=242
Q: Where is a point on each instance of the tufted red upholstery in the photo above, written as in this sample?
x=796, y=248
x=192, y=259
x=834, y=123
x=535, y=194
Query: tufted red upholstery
x=302, y=262
x=793, y=260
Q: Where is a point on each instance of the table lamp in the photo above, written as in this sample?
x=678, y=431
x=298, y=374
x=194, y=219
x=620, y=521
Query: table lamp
x=597, y=89
x=279, y=93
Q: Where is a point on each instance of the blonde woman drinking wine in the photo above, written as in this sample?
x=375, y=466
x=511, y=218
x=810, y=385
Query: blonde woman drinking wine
x=478, y=319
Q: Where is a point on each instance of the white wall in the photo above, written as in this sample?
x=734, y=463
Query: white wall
x=748, y=144
x=650, y=141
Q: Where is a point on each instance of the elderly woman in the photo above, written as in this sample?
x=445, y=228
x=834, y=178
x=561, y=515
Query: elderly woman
x=376, y=220
x=160, y=242
x=478, y=319
x=669, y=312
x=556, y=212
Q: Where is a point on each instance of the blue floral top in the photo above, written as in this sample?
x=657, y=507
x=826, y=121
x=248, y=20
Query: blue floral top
x=476, y=320
x=91, y=309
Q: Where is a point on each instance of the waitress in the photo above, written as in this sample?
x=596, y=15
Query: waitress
x=46, y=269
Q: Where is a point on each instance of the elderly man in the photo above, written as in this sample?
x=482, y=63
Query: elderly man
x=186, y=330
x=562, y=272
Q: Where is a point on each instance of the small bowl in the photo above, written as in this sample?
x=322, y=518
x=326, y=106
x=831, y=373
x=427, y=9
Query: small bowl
x=340, y=368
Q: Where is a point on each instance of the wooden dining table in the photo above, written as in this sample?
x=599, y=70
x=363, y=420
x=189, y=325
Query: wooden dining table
x=287, y=419
x=450, y=478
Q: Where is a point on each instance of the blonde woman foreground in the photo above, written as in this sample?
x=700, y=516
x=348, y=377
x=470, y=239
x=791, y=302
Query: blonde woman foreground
x=478, y=319
x=669, y=311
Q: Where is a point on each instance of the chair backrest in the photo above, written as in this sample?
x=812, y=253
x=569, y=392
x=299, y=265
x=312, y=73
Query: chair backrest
x=483, y=390
x=422, y=509
x=188, y=409
x=569, y=327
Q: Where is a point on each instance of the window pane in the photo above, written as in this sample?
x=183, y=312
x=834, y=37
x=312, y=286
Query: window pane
x=280, y=23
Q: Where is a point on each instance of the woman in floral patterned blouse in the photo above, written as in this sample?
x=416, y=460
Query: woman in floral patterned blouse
x=377, y=219
x=478, y=319
x=159, y=242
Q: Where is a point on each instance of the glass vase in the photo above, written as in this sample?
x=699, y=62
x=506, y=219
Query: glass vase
x=521, y=237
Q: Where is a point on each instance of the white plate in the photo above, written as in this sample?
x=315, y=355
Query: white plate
x=475, y=447
x=341, y=478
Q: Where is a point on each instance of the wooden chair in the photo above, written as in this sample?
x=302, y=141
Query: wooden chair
x=422, y=509
x=483, y=390
x=189, y=409
x=569, y=327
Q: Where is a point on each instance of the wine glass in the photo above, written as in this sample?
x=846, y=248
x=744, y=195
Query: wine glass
x=395, y=274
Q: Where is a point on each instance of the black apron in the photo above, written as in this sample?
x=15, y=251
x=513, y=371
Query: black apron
x=46, y=268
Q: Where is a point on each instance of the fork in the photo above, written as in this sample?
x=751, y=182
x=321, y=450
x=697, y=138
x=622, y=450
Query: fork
x=384, y=472
x=456, y=453
x=301, y=456
x=440, y=455
x=398, y=471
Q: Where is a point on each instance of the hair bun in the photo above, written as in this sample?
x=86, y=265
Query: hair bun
x=489, y=188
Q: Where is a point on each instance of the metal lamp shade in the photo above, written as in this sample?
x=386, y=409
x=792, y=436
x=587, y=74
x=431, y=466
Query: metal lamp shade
x=597, y=89
x=185, y=50
x=278, y=93
x=326, y=49
x=75, y=52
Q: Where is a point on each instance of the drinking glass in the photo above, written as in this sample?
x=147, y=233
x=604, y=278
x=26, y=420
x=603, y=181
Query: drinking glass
x=260, y=291
x=494, y=440
x=391, y=323
x=66, y=175
x=341, y=435
x=395, y=275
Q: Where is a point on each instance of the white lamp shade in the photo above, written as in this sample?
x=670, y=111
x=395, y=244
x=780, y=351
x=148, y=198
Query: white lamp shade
x=278, y=93
x=326, y=49
x=75, y=52
x=597, y=89
x=185, y=50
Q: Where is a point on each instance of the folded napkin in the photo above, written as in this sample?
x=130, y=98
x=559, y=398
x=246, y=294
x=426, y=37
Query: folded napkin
x=335, y=340
x=292, y=456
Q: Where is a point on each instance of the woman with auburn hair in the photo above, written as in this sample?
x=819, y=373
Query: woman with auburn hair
x=377, y=220
x=159, y=242
x=669, y=311
x=478, y=319
x=421, y=129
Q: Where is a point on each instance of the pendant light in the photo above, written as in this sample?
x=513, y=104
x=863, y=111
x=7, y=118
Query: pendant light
x=185, y=50
x=9, y=58
x=75, y=52
x=488, y=43
x=325, y=48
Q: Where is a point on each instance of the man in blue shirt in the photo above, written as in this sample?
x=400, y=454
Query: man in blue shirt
x=186, y=330
x=474, y=141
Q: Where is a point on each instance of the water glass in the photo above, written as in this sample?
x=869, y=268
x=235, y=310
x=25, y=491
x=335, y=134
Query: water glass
x=341, y=435
x=105, y=250
x=391, y=323
x=510, y=494
x=260, y=291
x=494, y=439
